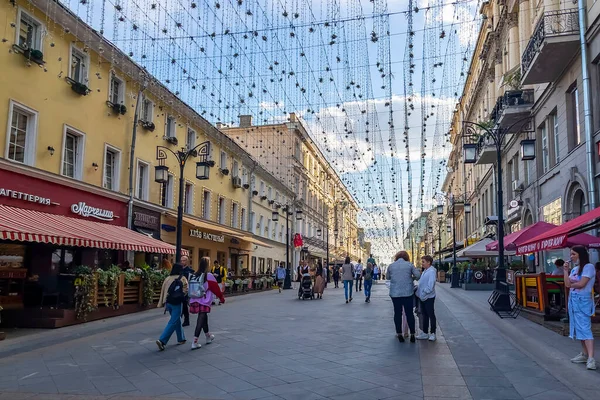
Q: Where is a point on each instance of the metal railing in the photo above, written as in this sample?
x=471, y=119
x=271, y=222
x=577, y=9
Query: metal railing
x=511, y=98
x=552, y=23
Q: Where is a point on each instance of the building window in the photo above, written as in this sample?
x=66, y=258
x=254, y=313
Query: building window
x=72, y=164
x=143, y=180
x=223, y=161
x=543, y=132
x=191, y=138
x=21, y=137
x=235, y=215
x=117, y=90
x=556, y=137
x=267, y=232
x=170, y=127
x=235, y=171
x=188, y=200
x=262, y=188
x=244, y=176
x=573, y=125
x=112, y=168
x=274, y=232
x=243, y=219
x=206, y=204
x=29, y=32
x=167, y=194
x=251, y=228
x=222, y=211
x=79, y=66
x=147, y=110
x=259, y=228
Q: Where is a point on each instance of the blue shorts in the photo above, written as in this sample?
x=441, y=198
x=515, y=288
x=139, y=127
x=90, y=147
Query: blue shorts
x=581, y=309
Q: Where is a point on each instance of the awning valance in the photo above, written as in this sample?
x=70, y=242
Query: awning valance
x=479, y=250
x=34, y=226
x=564, y=235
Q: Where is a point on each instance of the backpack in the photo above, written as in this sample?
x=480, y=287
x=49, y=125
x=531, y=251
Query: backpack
x=175, y=295
x=196, y=287
x=368, y=273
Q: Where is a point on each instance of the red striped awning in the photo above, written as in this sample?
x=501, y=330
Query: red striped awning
x=34, y=226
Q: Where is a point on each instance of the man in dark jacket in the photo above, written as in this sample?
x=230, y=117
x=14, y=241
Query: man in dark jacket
x=187, y=272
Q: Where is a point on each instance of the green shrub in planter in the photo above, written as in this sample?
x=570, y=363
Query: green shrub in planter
x=80, y=88
x=116, y=108
x=123, y=109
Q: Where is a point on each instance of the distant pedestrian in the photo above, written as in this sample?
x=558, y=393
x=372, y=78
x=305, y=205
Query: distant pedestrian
x=358, y=276
x=368, y=277
x=280, y=275
x=375, y=272
x=581, y=304
x=172, y=296
x=203, y=287
x=347, y=272
x=426, y=295
x=319, y=287
x=336, y=277
x=559, y=270
x=401, y=274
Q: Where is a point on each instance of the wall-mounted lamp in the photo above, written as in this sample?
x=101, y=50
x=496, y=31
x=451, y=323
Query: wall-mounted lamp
x=51, y=150
x=95, y=166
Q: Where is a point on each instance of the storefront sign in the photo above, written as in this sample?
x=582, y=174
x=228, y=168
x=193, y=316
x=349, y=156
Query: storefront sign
x=146, y=219
x=39, y=192
x=207, y=236
x=86, y=211
x=24, y=196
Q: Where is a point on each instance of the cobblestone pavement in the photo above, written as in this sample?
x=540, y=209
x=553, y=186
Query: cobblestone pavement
x=273, y=346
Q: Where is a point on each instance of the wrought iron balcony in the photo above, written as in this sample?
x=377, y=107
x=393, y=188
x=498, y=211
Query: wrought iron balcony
x=511, y=107
x=551, y=47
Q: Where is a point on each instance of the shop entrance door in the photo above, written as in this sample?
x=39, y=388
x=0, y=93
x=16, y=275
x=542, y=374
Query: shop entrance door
x=222, y=258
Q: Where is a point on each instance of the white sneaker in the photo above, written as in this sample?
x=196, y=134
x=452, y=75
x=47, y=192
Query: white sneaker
x=196, y=345
x=432, y=337
x=209, y=339
x=579, y=359
x=591, y=364
x=422, y=336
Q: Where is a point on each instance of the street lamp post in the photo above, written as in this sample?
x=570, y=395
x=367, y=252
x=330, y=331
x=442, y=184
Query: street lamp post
x=497, y=136
x=287, y=284
x=202, y=151
x=455, y=282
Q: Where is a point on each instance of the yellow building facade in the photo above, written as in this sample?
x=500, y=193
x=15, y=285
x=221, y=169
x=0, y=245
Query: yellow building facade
x=68, y=103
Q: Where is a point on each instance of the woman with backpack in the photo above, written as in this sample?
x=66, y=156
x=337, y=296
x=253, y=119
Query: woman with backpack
x=203, y=287
x=172, y=295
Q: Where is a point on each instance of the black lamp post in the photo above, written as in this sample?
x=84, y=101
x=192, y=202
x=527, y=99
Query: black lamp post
x=287, y=283
x=202, y=151
x=453, y=201
x=497, y=135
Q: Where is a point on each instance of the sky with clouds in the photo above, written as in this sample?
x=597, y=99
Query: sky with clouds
x=375, y=82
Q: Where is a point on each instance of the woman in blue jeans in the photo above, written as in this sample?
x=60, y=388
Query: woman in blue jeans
x=173, y=304
x=347, y=272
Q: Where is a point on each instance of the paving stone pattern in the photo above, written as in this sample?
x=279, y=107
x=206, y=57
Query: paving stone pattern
x=273, y=346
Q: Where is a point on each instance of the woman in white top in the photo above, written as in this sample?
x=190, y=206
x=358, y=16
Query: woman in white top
x=581, y=304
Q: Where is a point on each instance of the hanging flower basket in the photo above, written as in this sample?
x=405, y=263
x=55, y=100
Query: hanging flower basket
x=149, y=126
x=78, y=87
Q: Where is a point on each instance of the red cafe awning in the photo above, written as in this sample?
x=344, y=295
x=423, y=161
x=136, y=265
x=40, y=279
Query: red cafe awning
x=558, y=237
x=513, y=240
x=34, y=226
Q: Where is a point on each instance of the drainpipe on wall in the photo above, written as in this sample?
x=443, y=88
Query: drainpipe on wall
x=587, y=107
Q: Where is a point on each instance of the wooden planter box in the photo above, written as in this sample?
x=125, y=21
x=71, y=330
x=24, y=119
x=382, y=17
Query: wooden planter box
x=132, y=292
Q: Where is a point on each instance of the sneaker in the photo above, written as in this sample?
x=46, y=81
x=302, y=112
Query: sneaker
x=346, y=301
x=350, y=299
x=400, y=338
x=366, y=300
x=422, y=336
x=209, y=339
x=412, y=338
x=591, y=364
x=432, y=337
x=196, y=345
x=182, y=342
x=161, y=345
x=579, y=359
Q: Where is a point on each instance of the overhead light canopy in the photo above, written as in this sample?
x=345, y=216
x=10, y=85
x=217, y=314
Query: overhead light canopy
x=275, y=216
x=299, y=214
x=467, y=208
x=202, y=170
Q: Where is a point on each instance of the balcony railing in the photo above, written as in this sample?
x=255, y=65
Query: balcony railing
x=552, y=23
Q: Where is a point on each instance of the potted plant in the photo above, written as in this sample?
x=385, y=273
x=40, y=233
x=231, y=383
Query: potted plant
x=116, y=107
x=123, y=109
x=78, y=87
x=149, y=126
x=34, y=55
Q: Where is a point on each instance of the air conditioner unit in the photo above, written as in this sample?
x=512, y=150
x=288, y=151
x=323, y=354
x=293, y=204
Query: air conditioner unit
x=237, y=182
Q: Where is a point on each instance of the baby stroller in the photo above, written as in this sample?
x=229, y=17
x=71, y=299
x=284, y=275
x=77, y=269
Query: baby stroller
x=305, y=291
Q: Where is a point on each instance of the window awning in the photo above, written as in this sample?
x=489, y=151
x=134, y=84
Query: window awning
x=34, y=226
x=479, y=250
x=564, y=235
x=515, y=239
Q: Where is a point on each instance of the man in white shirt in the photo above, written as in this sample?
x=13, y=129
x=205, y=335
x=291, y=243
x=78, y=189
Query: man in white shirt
x=358, y=269
x=426, y=295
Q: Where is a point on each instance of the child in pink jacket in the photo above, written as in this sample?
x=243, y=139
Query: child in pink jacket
x=202, y=305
